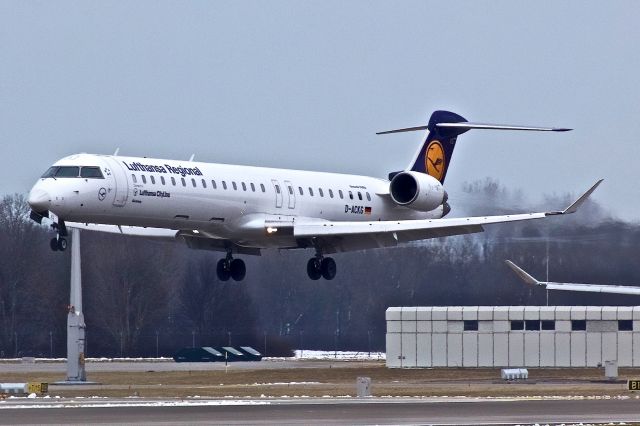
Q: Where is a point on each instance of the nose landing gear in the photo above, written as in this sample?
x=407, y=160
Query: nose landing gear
x=59, y=243
x=231, y=268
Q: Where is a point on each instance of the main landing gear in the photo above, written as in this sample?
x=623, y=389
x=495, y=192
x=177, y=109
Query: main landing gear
x=231, y=268
x=319, y=266
x=59, y=242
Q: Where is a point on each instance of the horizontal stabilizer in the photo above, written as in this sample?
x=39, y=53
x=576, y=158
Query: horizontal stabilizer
x=592, y=288
x=469, y=126
x=465, y=125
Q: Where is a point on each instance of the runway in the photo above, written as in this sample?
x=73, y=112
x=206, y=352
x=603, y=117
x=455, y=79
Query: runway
x=329, y=411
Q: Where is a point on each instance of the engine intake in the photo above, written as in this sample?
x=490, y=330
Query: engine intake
x=417, y=191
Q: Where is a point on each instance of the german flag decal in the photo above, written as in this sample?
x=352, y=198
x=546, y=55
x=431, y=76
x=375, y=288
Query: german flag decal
x=367, y=210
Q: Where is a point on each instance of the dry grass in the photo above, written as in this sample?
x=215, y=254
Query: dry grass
x=337, y=380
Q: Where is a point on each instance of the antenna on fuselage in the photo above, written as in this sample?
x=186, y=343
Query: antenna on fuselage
x=117, y=151
x=192, y=157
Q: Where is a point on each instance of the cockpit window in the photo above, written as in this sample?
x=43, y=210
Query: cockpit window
x=67, y=171
x=51, y=172
x=91, y=172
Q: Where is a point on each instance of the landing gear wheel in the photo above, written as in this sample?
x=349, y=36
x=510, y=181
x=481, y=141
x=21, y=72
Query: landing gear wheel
x=62, y=244
x=313, y=269
x=238, y=269
x=54, y=244
x=223, y=270
x=328, y=268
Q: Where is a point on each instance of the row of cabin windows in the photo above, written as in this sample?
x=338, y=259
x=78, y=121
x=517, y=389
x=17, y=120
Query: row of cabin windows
x=244, y=187
x=340, y=193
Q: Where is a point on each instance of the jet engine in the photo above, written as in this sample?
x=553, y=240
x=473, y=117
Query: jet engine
x=417, y=191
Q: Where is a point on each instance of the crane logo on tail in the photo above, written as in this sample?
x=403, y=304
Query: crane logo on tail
x=434, y=160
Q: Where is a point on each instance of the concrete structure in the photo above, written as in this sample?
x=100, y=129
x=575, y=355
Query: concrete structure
x=513, y=336
x=76, y=374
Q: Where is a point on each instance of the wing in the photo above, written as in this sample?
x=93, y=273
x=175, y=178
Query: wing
x=346, y=236
x=593, y=288
x=198, y=241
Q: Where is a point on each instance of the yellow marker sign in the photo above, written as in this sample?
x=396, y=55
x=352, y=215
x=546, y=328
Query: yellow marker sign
x=634, y=384
x=434, y=160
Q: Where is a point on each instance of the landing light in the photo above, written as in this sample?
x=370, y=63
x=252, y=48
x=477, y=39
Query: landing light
x=271, y=230
x=195, y=231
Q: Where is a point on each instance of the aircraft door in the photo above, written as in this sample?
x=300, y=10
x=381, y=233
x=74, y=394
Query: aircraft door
x=120, y=182
x=292, y=194
x=278, y=189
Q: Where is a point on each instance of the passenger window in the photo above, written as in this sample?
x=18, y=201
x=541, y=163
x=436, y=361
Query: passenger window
x=262, y=187
x=68, y=172
x=91, y=172
x=173, y=181
x=224, y=185
x=184, y=182
x=350, y=195
x=310, y=191
x=359, y=196
x=330, y=193
x=277, y=189
x=340, y=194
x=133, y=178
x=300, y=190
x=153, y=180
x=320, y=192
x=162, y=179
x=244, y=187
x=235, y=187
x=368, y=197
x=290, y=190
x=144, y=179
x=253, y=187
x=213, y=184
x=204, y=183
x=193, y=182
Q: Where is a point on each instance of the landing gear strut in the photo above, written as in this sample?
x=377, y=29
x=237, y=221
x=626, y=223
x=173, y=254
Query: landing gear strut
x=320, y=266
x=231, y=268
x=59, y=243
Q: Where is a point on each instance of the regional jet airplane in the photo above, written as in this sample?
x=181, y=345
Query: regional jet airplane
x=593, y=288
x=241, y=210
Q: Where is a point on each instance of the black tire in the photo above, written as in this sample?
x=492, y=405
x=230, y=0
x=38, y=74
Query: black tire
x=238, y=269
x=313, y=269
x=328, y=268
x=62, y=244
x=223, y=270
x=54, y=244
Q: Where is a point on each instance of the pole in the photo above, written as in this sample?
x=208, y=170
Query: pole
x=228, y=338
x=50, y=344
x=157, y=338
x=15, y=335
x=264, y=352
x=75, y=318
x=193, y=338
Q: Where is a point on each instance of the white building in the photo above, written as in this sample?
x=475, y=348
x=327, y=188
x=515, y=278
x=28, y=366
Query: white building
x=512, y=336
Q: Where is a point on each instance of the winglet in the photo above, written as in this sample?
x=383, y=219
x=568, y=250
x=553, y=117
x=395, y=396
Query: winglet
x=522, y=274
x=579, y=202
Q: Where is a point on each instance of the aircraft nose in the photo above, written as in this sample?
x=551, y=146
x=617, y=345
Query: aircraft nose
x=39, y=200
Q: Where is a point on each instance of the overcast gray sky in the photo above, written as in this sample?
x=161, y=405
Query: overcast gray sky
x=306, y=84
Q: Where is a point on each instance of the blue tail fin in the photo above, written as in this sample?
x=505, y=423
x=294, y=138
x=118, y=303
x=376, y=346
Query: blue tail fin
x=434, y=156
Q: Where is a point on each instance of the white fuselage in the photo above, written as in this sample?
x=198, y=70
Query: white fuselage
x=223, y=201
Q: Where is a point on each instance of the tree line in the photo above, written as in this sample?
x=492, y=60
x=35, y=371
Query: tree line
x=147, y=298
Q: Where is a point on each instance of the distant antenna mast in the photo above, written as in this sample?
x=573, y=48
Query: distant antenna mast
x=547, y=270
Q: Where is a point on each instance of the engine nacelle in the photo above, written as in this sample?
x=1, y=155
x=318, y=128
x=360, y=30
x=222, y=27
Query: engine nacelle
x=417, y=191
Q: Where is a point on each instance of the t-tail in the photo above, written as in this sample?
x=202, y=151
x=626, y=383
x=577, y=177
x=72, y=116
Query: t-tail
x=434, y=155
